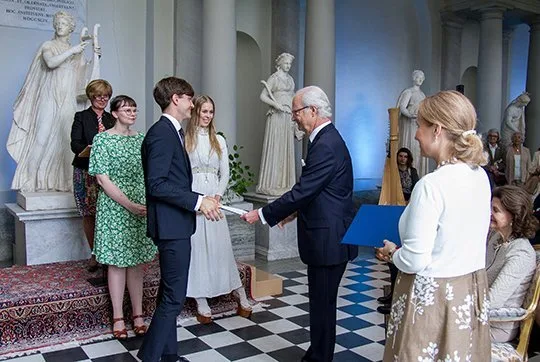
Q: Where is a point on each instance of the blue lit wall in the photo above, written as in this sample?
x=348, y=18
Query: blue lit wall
x=377, y=48
x=519, y=52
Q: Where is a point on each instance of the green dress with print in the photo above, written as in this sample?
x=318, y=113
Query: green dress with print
x=120, y=236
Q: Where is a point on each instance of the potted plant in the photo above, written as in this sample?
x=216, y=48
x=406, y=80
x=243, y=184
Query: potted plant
x=240, y=176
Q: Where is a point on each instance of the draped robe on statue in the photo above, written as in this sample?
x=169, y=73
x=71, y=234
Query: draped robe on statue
x=408, y=103
x=278, y=170
x=39, y=140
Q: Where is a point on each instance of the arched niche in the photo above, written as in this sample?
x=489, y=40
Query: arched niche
x=250, y=111
x=468, y=79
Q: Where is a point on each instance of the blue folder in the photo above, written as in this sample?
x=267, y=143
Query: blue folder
x=374, y=223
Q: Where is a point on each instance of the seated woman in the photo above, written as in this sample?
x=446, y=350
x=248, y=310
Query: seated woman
x=407, y=174
x=510, y=259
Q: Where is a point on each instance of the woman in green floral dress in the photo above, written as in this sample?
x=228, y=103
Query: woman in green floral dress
x=120, y=235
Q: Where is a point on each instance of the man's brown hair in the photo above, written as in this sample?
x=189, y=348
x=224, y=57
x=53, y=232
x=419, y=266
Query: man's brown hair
x=167, y=87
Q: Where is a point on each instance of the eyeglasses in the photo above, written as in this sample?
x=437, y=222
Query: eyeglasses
x=129, y=112
x=295, y=112
x=102, y=98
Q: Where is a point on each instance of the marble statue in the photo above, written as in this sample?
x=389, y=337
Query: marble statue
x=408, y=103
x=514, y=118
x=278, y=172
x=39, y=140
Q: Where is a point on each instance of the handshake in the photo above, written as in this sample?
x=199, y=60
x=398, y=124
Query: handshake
x=210, y=208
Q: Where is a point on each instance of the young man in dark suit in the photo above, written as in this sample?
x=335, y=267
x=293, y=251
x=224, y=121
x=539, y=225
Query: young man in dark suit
x=171, y=207
x=322, y=202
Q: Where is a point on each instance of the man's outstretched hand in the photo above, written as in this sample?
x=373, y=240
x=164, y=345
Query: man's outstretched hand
x=251, y=217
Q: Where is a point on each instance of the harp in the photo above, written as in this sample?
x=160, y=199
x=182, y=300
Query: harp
x=391, y=191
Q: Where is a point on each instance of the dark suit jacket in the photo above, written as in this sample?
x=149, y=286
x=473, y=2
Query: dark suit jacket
x=83, y=130
x=170, y=202
x=323, y=199
x=500, y=157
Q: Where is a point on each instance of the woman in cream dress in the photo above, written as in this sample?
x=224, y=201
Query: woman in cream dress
x=212, y=269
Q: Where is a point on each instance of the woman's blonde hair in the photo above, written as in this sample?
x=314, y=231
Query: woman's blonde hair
x=98, y=87
x=455, y=113
x=191, y=129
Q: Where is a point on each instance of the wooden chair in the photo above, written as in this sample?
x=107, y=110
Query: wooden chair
x=517, y=351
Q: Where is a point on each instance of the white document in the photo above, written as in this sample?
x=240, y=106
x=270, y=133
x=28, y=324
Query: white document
x=234, y=210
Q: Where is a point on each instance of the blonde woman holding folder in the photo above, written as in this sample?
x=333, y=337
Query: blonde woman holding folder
x=442, y=287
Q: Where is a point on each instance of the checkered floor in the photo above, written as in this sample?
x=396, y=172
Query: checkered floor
x=279, y=333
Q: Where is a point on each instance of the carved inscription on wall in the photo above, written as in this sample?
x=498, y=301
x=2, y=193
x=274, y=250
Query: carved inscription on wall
x=38, y=14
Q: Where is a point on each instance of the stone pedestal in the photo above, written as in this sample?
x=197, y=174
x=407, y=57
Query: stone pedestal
x=33, y=201
x=273, y=243
x=242, y=233
x=47, y=236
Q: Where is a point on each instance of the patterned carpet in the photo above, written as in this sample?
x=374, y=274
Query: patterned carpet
x=279, y=333
x=52, y=304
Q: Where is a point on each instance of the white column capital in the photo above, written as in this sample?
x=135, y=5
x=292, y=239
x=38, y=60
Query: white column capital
x=492, y=12
x=450, y=21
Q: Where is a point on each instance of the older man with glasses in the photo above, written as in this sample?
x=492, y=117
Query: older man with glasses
x=496, y=157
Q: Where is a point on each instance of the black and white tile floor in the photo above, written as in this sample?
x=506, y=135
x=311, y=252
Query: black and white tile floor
x=279, y=333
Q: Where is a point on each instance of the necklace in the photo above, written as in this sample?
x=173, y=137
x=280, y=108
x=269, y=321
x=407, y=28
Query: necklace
x=204, y=132
x=447, y=162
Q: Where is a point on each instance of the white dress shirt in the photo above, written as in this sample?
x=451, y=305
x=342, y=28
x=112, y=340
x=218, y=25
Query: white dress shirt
x=177, y=126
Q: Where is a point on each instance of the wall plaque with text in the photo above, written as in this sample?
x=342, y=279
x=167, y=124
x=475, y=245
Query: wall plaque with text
x=38, y=14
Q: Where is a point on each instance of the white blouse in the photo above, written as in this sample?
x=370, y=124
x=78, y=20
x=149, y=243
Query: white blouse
x=443, y=229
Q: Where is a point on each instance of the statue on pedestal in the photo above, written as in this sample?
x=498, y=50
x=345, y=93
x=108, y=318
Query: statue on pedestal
x=408, y=103
x=514, y=118
x=278, y=174
x=39, y=140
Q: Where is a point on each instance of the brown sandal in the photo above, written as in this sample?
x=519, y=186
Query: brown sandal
x=139, y=330
x=120, y=334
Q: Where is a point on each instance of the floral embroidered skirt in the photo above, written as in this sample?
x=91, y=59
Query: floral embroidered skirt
x=85, y=190
x=439, y=319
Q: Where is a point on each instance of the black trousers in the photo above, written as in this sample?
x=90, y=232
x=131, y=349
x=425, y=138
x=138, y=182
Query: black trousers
x=323, y=283
x=160, y=341
x=393, y=275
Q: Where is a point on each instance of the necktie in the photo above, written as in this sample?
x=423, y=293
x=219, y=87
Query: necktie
x=182, y=137
x=309, y=145
x=100, y=125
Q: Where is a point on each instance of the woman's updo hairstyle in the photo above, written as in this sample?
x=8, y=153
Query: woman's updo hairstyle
x=518, y=203
x=456, y=115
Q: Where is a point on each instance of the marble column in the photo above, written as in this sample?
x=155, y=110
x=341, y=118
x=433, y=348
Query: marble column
x=452, y=27
x=320, y=51
x=219, y=62
x=532, y=111
x=507, y=37
x=490, y=59
x=285, y=30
